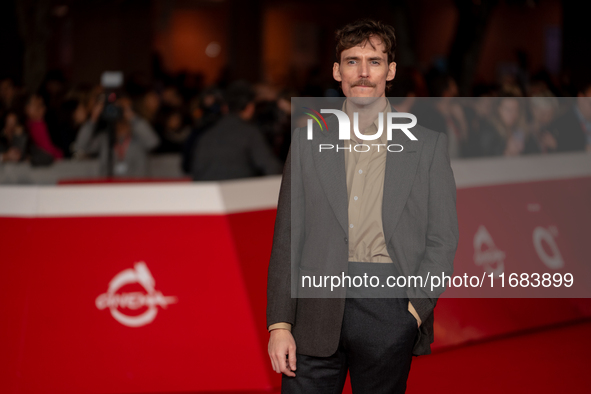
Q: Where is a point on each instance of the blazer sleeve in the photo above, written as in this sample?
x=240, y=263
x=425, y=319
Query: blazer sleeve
x=287, y=240
x=442, y=230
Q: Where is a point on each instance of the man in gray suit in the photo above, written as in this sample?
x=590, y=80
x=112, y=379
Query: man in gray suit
x=382, y=213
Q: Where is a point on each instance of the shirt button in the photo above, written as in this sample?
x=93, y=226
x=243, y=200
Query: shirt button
x=360, y=171
x=346, y=240
x=351, y=225
x=355, y=198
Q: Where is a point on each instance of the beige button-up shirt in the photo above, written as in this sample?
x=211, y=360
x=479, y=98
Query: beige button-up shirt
x=365, y=165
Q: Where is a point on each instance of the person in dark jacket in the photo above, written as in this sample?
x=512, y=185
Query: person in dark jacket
x=233, y=148
x=572, y=130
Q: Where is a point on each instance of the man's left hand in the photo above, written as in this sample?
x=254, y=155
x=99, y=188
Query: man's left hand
x=412, y=310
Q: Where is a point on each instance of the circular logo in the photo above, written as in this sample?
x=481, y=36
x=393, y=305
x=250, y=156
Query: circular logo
x=151, y=299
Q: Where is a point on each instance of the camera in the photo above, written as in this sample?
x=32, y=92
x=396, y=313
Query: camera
x=111, y=81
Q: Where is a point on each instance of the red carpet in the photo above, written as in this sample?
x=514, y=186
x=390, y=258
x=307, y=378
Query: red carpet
x=553, y=360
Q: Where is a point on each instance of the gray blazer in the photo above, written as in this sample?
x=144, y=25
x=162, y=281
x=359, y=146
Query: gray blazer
x=419, y=219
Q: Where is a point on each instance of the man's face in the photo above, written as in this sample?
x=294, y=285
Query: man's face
x=364, y=70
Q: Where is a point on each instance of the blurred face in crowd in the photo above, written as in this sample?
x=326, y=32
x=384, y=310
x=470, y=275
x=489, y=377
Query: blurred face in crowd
x=208, y=100
x=248, y=112
x=79, y=116
x=452, y=89
x=10, y=125
x=284, y=105
x=124, y=102
x=584, y=103
x=122, y=128
x=93, y=97
x=265, y=92
x=151, y=102
x=364, y=70
x=35, y=108
x=543, y=110
x=171, y=97
x=543, y=115
x=174, y=121
x=127, y=106
x=7, y=91
x=54, y=87
x=509, y=111
x=483, y=106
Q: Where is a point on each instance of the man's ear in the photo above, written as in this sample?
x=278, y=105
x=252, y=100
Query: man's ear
x=391, y=71
x=336, y=72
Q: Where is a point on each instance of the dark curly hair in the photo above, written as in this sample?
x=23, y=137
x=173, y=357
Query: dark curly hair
x=359, y=32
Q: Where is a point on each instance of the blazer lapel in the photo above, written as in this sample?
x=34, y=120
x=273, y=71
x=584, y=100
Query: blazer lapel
x=330, y=167
x=401, y=168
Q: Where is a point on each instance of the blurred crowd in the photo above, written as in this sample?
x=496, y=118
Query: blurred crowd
x=240, y=130
x=509, y=119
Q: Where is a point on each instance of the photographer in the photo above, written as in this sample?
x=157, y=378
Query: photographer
x=133, y=139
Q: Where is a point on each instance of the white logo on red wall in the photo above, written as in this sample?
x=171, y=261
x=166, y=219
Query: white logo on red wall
x=118, y=303
x=486, y=254
x=541, y=236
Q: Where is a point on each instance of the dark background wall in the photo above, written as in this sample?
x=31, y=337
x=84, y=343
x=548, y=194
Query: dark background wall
x=285, y=42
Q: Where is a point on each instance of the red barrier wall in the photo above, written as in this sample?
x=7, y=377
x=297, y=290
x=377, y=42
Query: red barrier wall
x=206, y=280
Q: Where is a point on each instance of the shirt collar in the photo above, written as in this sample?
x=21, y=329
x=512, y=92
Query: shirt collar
x=387, y=108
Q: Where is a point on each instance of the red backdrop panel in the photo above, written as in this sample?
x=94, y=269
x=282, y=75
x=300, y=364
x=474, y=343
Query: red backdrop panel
x=54, y=338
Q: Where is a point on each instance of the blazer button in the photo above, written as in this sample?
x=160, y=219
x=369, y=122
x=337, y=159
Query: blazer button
x=346, y=240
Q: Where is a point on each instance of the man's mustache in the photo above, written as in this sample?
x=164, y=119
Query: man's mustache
x=364, y=82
